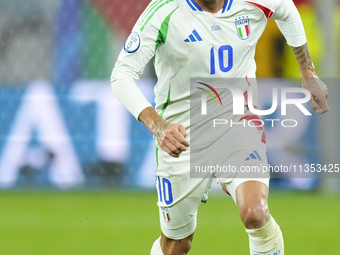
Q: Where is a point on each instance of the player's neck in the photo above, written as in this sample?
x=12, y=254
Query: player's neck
x=211, y=5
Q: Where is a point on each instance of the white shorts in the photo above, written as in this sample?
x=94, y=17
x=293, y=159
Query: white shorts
x=179, y=194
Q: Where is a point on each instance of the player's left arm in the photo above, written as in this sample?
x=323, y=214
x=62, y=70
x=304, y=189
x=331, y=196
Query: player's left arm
x=311, y=81
x=290, y=24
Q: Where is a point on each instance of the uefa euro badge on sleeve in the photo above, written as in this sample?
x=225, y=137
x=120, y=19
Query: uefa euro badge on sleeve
x=132, y=43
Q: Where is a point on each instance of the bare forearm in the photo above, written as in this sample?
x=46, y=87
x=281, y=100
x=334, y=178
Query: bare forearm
x=304, y=61
x=150, y=118
x=170, y=137
x=310, y=80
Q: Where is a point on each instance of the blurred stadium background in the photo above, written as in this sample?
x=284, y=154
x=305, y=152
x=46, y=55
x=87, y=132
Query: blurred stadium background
x=77, y=170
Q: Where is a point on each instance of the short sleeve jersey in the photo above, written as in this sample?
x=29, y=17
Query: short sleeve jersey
x=188, y=42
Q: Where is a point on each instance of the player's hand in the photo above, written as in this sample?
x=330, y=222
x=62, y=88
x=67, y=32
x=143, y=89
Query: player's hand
x=319, y=92
x=171, y=138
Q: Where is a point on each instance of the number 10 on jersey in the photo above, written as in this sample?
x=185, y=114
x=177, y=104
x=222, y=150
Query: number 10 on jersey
x=224, y=50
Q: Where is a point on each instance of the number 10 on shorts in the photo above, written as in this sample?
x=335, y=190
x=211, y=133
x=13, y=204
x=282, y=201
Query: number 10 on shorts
x=164, y=190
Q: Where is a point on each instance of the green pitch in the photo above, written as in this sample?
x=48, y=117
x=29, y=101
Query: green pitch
x=127, y=223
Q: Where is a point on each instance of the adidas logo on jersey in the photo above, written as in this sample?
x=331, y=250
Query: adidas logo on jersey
x=194, y=37
x=254, y=155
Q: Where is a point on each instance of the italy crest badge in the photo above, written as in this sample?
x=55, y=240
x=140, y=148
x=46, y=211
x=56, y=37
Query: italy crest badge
x=242, y=27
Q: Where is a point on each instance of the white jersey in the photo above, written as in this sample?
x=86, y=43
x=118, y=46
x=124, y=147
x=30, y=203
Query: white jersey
x=188, y=42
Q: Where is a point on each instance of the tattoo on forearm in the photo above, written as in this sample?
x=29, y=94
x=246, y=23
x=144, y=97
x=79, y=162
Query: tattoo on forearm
x=303, y=57
x=160, y=132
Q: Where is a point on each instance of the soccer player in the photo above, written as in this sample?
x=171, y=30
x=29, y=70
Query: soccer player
x=206, y=39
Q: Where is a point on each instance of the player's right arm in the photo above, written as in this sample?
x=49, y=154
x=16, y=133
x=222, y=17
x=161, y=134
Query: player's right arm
x=139, y=48
x=170, y=136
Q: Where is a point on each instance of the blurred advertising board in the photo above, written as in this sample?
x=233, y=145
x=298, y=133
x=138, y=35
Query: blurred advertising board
x=84, y=137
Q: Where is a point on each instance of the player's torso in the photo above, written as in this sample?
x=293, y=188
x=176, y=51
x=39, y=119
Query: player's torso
x=205, y=45
x=195, y=38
